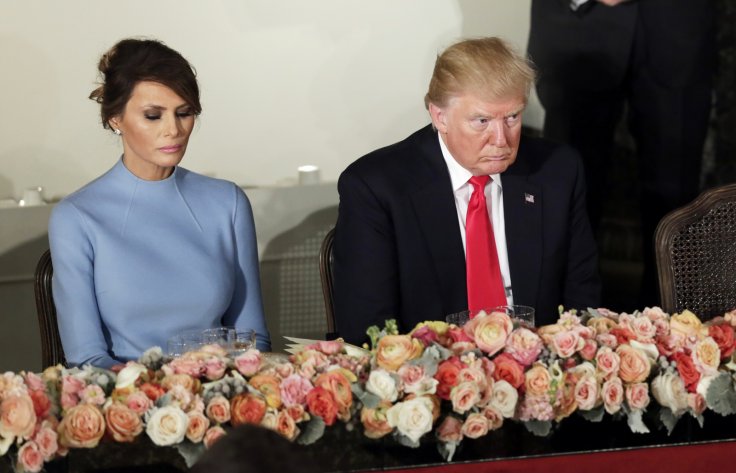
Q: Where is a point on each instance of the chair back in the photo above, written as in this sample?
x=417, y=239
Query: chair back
x=325, y=272
x=52, y=352
x=696, y=255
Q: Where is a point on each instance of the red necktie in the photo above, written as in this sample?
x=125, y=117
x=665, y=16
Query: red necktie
x=485, y=284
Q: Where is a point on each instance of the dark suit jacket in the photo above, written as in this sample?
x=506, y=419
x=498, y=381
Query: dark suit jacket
x=398, y=251
x=591, y=48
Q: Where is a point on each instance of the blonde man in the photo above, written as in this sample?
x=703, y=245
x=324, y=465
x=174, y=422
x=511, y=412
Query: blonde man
x=406, y=224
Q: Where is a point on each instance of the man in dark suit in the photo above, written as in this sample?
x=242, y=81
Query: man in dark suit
x=658, y=57
x=400, y=239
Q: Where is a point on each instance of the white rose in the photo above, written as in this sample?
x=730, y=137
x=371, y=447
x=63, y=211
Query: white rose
x=649, y=348
x=504, y=398
x=166, y=425
x=129, y=375
x=382, y=384
x=669, y=391
x=412, y=418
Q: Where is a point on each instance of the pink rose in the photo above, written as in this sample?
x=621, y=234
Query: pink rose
x=464, y=396
x=212, y=435
x=329, y=347
x=218, y=409
x=607, y=363
x=495, y=418
x=411, y=374
x=69, y=400
x=214, y=368
x=188, y=365
x=475, y=426
x=637, y=395
x=566, y=343
x=524, y=346
x=294, y=390
x=71, y=385
x=586, y=393
x=198, y=425
x=490, y=332
x=30, y=457
x=138, y=402
x=450, y=430
x=644, y=329
x=249, y=362
x=93, y=394
x=41, y=403
x=82, y=427
x=425, y=334
x=635, y=365
x=589, y=350
x=17, y=416
x=607, y=340
x=123, y=423
x=613, y=395
x=696, y=403
x=47, y=441
x=35, y=383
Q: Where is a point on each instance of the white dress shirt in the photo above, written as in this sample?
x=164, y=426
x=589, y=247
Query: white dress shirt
x=459, y=177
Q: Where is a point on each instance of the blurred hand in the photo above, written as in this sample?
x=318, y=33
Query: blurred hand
x=117, y=368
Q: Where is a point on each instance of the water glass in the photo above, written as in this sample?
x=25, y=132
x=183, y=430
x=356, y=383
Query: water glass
x=222, y=336
x=243, y=340
x=521, y=315
x=458, y=318
x=184, y=341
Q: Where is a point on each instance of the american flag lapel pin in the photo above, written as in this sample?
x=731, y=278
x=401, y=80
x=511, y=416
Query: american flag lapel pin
x=528, y=198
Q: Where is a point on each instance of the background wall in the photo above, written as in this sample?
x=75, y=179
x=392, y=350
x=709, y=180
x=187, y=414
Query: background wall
x=284, y=82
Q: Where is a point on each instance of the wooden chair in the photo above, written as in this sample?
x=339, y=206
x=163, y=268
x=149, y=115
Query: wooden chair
x=325, y=272
x=696, y=255
x=52, y=353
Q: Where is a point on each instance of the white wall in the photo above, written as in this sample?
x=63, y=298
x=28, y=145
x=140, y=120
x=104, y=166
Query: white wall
x=284, y=82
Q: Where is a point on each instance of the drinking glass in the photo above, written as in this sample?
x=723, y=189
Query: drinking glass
x=222, y=336
x=243, y=340
x=184, y=341
x=521, y=315
x=458, y=318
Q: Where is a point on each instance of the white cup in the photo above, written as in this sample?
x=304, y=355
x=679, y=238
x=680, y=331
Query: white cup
x=32, y=196
x=308, y=174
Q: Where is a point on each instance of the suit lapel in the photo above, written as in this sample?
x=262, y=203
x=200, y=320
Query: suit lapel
x=434, y=206
x=522, y=205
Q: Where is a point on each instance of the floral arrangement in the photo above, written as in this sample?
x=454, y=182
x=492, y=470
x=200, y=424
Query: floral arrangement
x=441, y=380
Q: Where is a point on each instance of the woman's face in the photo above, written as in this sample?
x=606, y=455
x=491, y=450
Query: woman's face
x=155, y=128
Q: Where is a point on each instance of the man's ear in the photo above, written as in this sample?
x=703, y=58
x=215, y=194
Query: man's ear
x=439, y=117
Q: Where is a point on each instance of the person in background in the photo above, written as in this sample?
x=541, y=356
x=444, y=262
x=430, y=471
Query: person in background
x=251, y=448
x=465, y=213
x=656, y=56
x=150, y=249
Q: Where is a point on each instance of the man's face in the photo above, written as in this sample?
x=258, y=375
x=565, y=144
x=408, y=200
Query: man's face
x=482, y=136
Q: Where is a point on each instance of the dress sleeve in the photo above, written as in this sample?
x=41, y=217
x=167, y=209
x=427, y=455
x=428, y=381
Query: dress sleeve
x=246, y=308
x=73, y=286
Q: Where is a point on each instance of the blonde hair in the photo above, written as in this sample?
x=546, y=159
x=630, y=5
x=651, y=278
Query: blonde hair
x=488, y=67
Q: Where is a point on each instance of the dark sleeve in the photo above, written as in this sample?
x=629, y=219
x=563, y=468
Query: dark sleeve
x=365, y=266
x=582, y=287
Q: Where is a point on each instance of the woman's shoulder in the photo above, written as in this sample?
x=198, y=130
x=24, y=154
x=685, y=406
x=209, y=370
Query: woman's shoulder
x=211, y=189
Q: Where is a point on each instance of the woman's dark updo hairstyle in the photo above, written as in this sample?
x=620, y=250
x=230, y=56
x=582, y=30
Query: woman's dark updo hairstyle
x=134, y=60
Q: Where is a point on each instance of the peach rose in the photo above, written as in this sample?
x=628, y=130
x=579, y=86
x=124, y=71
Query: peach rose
x=270, y=387
x=197, y=427
x=123, y=423
x=247, y=408
x=537, y=380
x=637, y=395
x=286, y=426
x=17, y=416
x=167, y=425
x=184, y=380
x=687, y=325
x=321, y=403
x=475, y=425
x=613, y=395
x=218, y=409
x=82, y=427
x=490, y=332
x=395, y=350
x=601, y=324
x=464, y=396
x=450, y=430
x=139, y=402
x=375, y=423
x=30, y=458
x=152, y=390
x=707, y=356
x=635, y=365
x=338, y=384
x=212, y=435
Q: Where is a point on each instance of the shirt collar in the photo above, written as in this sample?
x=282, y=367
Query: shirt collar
x=459, y=176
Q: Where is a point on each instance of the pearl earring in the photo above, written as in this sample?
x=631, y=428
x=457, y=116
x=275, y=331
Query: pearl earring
x=117, y=132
